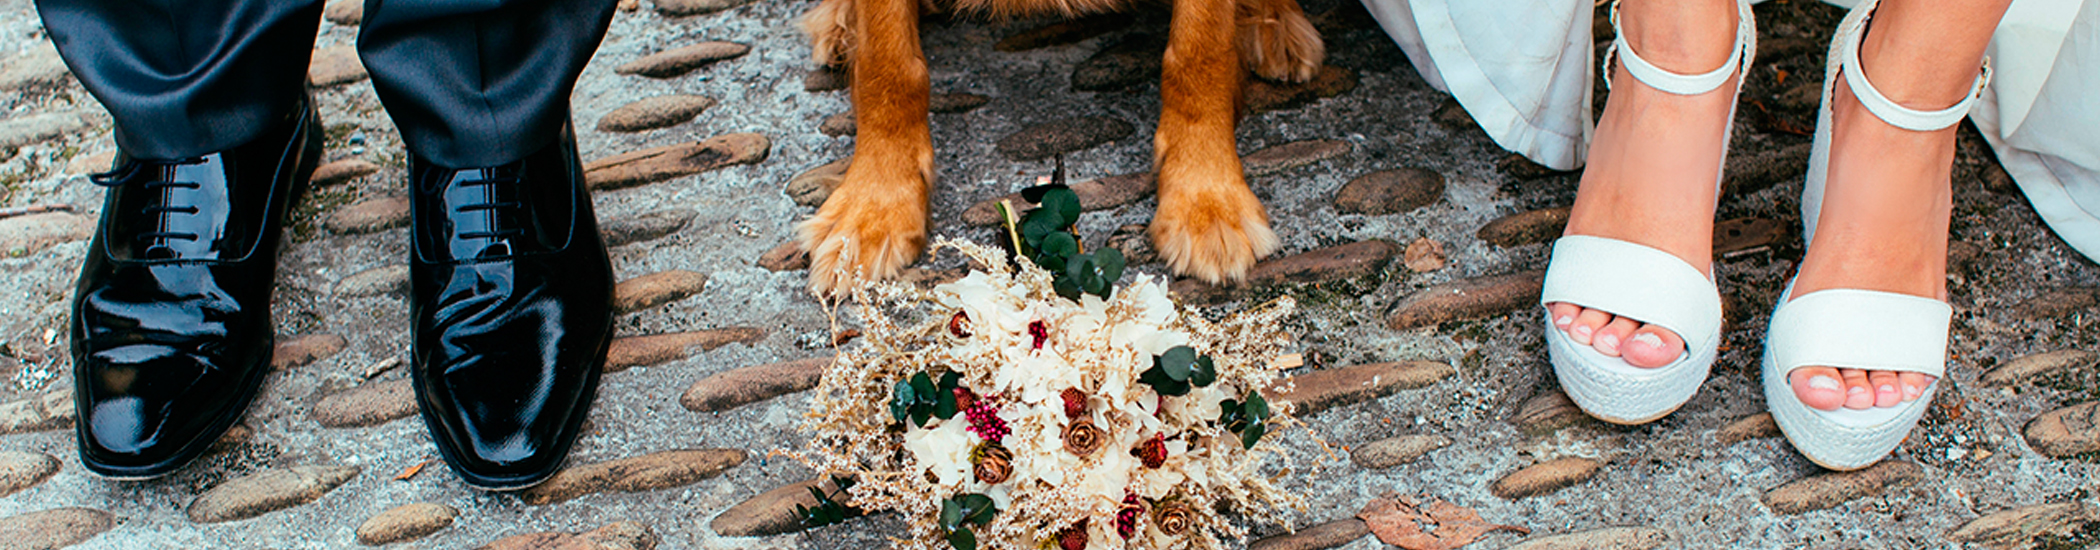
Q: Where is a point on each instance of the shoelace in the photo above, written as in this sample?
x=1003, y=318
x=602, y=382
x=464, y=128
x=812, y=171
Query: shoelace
x=494, y=229
x=162, y=206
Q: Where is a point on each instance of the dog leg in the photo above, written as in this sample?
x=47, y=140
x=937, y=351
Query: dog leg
x=1277, y=42
x=1209, y=225
x=875, y=222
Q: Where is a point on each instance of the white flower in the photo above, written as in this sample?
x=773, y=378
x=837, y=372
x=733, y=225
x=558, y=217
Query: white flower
x=943, y=450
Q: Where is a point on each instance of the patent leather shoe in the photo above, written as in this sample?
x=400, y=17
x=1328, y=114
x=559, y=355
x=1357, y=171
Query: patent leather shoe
x=171, y=332
x=512, y=312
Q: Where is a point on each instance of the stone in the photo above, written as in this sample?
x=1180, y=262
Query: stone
x=813, y=186
x=649, y=472
x=1389, y=192
x=639, y=351
x=654, y=112
x=267, y=491
x=1751, y=172
x=1134, y=243
x=335, y=66
x=368, y=216
x=786, y=257
x=1774, y=49
x=37, y=67
x=18, y=131
x=672, y=161
x=1453, y=116
x=1318, y=537
x=838, y=125
x=1094, y=194
x=1320, y=390
x=54, y=528
x=1061, y=33
x=92, y=163
x=235, y=436
x=1517, y=166
x=1830, y=489
x=1263, y=96
x=1608, y=538
x=1394, y=451
x=1333, y=263
x=625, y=535
x=343, y=170
x=348, y=13
x=50, y=411
x=2055, y=303
x=2040, y=366
x=1536, y=226
x=1756, y=426
x=389, y=279
x=2017, y=528
x=1467, y=299
x=370, y=404
x=952, y=103
x=825, y=79
x=1961, y=254
x=1996, y=180
x=21, y=470
x=405, y=523
x=770, y=513
x=304, y=350
x=735, y=388
x=682, y=8
x=1049, y=139
x=1424, y=256
x=1546, y=413
x=1545, y=477
x=1741, y=236
x=1134, y=59
x=1277, y=158
x=24, y=235
x=649, y=226
x=2065, y=432
x=679, y=61
x=656, y=289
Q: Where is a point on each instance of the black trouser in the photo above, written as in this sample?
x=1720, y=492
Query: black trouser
x=470, y=83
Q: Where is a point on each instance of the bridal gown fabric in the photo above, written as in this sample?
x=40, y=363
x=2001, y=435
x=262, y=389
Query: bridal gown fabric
x=1522, y=69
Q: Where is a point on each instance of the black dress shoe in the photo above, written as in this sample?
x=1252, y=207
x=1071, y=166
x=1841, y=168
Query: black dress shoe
x=512, y=312
x=171, y=318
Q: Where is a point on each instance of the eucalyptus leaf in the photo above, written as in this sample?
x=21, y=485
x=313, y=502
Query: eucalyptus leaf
x=951, y=514
x=1257, y=408
x=1177, y=361
x=1252, y=434
x=1064, y=202
x=1110, y=261
x=962, y=539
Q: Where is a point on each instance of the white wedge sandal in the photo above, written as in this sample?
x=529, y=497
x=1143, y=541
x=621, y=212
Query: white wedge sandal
x=1641, y=282
x=1850, y=328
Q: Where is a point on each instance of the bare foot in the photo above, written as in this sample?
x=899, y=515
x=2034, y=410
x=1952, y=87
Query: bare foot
x=1651, y=173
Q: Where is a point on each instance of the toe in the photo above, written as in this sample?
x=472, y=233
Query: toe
x=1562, y=314
x=1887, y=389
x=1858, y=393
x=1820, y=388
x=1914, y=385
x=1652, y=347
x=1614, y=333
x=1586, y=325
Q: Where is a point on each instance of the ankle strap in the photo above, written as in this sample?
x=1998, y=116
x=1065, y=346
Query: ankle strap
x=1681, y=84
x=1884, y=108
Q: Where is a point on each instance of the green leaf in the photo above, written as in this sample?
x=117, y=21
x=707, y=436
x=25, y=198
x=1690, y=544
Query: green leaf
x=1065, y=288
x=1176, y=361
x=949, y=381
x=945, y=407
x=919, y=415
x=1110, y=261
x=1064, y=203
x=923, y=388
x=1060, y=244
x=901, y=404
x=951, y=514
x=1205, y=372
x=978, y=508
x=1257, y=408
x=962, y=539
x=1252, y=434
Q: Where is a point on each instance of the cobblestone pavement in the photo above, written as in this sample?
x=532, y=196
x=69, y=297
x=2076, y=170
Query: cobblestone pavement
x=1413, y=242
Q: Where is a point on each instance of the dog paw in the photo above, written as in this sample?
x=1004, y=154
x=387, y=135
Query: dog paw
x=830, y=29
x=1210, y=228
x=870, y=228
x=1277, y=42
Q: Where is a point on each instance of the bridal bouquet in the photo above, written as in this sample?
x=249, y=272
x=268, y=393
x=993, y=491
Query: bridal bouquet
x=1035, y=404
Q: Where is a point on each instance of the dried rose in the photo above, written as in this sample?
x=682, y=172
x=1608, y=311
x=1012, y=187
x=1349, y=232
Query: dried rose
x=1082, y=438
x=1153, y=452
x=1075, y=402
x=1074, y=537
x=959, y=325
x=995, y=464
x=1173, y=518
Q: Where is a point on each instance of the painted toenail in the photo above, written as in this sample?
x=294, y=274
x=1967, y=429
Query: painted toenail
x=1649, y=339
x=1824, y=383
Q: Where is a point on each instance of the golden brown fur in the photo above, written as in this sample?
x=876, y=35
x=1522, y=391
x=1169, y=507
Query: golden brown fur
x=1209, y=225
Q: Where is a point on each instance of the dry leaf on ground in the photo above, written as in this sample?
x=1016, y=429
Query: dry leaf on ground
x=1435, y=525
